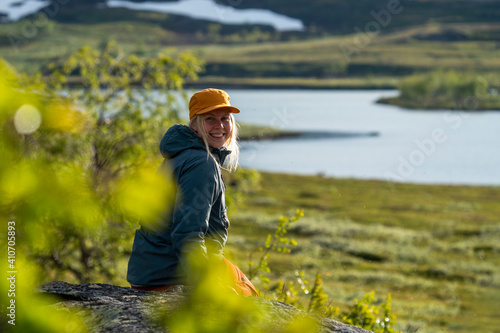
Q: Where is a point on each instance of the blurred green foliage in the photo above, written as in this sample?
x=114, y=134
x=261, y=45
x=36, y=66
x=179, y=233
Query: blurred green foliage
x=36, y=197
x=109, y=150
x=213, y=307
x=32, y=311
x=80, y=172
x=75, y=171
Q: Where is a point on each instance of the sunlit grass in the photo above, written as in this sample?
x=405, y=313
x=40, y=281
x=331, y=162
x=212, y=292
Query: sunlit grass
x=433, y=247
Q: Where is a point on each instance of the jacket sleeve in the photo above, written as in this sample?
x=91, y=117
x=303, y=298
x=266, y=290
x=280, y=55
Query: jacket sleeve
x=197, y=190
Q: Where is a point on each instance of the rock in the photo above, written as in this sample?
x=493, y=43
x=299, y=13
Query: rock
x=108, y=308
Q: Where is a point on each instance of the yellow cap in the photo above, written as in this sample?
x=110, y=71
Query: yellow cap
x=208, y=100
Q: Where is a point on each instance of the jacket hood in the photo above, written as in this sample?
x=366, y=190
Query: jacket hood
x=180, y=137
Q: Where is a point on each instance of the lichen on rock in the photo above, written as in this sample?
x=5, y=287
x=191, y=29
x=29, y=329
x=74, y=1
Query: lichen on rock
x=108, y=308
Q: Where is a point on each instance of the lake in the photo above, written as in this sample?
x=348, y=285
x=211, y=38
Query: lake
x=349, y=135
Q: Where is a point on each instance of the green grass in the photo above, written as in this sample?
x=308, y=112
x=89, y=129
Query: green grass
x=433, y=247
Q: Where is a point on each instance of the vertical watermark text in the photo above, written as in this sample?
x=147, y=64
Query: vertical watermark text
x=11, y=271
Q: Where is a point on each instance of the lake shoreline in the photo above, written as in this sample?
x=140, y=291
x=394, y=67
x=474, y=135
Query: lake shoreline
x=388, y=183
x=294, y=83
x=287, y=87
x=300, y=178
x=306, y=135
x=409, y=105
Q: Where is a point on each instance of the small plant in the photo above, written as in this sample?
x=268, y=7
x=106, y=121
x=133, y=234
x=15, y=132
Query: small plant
x=277, y=242
x=318, y=303
x=363, y=314
x=318, y=299
x=286, y=293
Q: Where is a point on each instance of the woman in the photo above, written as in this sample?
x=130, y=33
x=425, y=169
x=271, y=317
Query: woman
x=194, y=232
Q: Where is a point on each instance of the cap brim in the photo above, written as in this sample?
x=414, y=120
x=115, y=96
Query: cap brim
x=231, y=109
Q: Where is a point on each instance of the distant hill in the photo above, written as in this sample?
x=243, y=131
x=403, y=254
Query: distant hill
x=345, y=16
x=188, y=29
x=342, y=16
x=416, y=36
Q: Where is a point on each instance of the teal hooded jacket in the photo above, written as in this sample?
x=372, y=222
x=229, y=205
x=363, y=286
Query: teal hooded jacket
x=194, y=227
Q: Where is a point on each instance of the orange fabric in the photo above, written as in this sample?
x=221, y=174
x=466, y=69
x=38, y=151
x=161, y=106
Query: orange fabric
x=242, y=284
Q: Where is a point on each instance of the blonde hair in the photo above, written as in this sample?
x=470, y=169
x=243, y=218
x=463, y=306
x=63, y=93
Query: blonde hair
x=231, y=144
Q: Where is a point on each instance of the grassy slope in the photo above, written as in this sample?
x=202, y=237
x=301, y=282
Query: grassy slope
x=318, y=62
x=434, y=248
x=385, y=54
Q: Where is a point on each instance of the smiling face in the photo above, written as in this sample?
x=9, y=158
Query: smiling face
x=218, y=127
